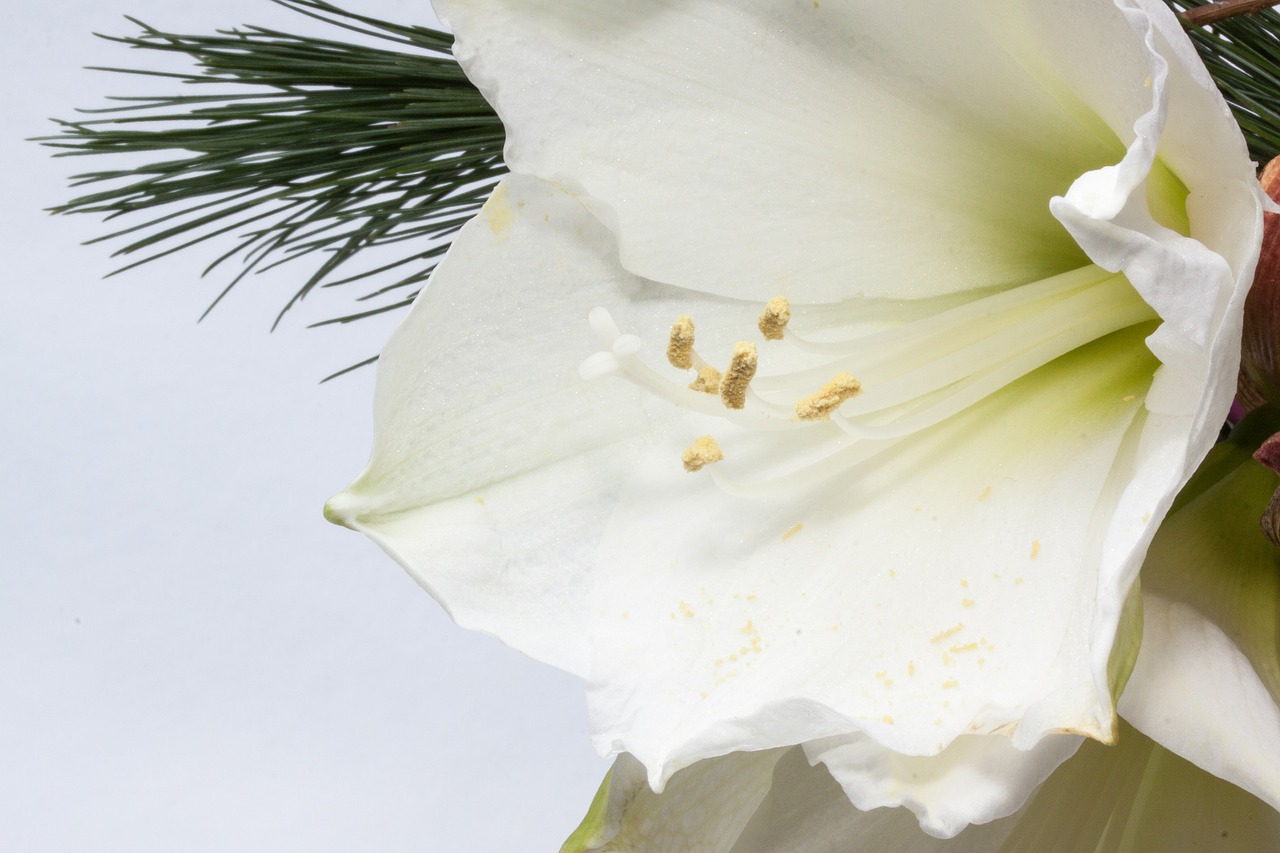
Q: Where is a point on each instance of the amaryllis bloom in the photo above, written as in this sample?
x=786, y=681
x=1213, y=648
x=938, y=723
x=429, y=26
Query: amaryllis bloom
x=821, y=373
x=1207, y=684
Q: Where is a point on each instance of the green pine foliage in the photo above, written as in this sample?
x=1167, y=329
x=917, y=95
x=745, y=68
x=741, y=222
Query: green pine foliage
x=297, y=147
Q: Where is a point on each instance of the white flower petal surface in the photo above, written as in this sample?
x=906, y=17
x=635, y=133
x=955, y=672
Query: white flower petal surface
x=1135, y=797
x=704, y=809
x=977, y=779
x=494, y=466
x=1207, y=684
x=1131, y=798
x=948, y=586
x=781, y=146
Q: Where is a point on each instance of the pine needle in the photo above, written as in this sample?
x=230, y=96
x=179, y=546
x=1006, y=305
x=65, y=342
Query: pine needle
x=299, y=146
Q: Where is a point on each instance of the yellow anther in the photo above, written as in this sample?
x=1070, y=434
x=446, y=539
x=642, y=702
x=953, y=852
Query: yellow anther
x=777, y=313
x=818, y=407
x=680, y=345
x=733, y=387
x=701, y=453
x=708, y=381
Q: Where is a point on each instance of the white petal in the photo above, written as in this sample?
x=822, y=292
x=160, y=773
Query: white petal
x=1137, y=798
x=704, y=809
x=977, y=779
x=807, y=812
x=820, y=138
x=1131, y=798
x=952, y=586
x=1207, y=683
x=494, y=465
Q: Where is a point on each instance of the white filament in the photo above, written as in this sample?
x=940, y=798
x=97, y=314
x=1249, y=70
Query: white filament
x=913, y=376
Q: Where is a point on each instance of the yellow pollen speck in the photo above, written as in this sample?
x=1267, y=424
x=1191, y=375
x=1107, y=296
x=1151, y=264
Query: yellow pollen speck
x=480, y=500
x=950, y=683
x=911, y=667
x=967, y=647
x=751, y=597
x=1017, y=580
x=888, y=682
x=498, y=213
x=966, y=602
x=708, y=381
x=742, y=367
x=1129, y=398
x=882, y=674
x=887, y=719
x=795, y=528
x=1146, y=516
x=1035, y=548
x=777, y=313
x=950, y=632
x=626, y=614
x=984, y=494
x=701, y=453
x=748, y=628
x=818, y=407
x=680, y=344
x=685, y=610
x=964, y=582
x=981, y=661
x=733, y=657
x=1146, y=84
x=938, y=722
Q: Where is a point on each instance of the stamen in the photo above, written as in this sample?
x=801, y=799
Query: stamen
x=701, y=453
x=777, y=313
x=680, y=344
x=708, y=381
x=818, y=407
x=733, y=388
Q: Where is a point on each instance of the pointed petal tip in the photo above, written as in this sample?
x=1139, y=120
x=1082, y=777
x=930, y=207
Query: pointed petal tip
x=342, y=509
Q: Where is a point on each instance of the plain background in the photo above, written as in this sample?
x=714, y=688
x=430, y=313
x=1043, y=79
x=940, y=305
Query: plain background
x=191, y=659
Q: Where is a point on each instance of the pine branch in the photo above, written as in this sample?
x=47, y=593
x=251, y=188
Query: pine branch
x=1220, y=10
x=302, y=147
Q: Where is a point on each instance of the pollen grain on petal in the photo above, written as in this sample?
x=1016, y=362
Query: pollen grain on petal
x=742, y=367
x=701, y=453
x=680, y=344
x=776, y=315
x=818, y=407
x=708, y=381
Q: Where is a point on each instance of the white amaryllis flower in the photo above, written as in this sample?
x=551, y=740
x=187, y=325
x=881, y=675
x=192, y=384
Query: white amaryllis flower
x=1206, y=685
x=1012, y=240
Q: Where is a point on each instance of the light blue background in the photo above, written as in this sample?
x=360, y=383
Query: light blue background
x=191, y=659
